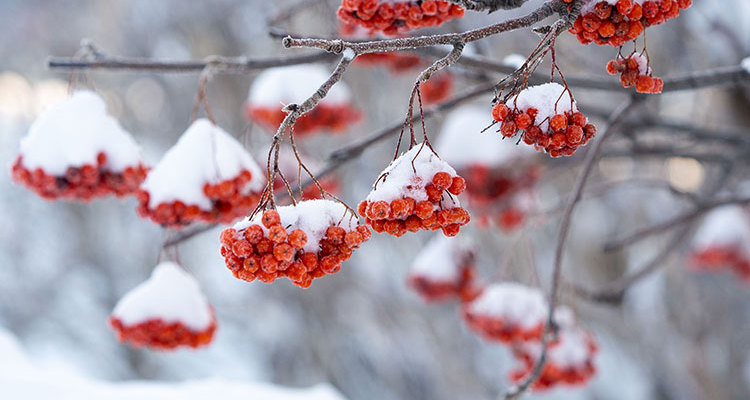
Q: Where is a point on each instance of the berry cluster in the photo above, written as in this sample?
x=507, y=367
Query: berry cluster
x=721, y=242
x=634, y=71
x=267, y=248
x=335, y=118
x=720, y=257
x=616, y=22
x=394, y=17
x=159, y=335
x=444, y=270
x=507, y=312
x=438, y=88
x=80, y=182
x=395, y=62
x=416, y=192
x=548, y=117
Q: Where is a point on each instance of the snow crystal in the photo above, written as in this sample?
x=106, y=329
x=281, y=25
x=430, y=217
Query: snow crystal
x=549, y=99
x=724, y=226
x=294, y=84
x=462, y=143
x=204, y=154
x=514, y=60
x=170, y=294
x=588, y=5
x=746, y=64
x=312, y=216
x=513, y=302
x=442, y=258
x=401, y=180
x=73, y=132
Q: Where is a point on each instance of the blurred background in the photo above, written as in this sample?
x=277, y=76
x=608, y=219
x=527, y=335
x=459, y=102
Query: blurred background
x=676, y=334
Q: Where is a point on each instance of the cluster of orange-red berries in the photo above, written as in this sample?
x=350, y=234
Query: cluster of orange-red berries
x=634, y=71
x=463, y=288
x=159, y=335
x=80, y=182
x=393, y=18
x=229, y=201
x=333, y=117
x=271, y=253
x=554, y=373
x=564, y=134
x=616, y=23
x=407, y=215
x=718, y=257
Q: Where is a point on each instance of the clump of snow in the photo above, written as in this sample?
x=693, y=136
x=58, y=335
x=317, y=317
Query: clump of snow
x=745, y=64
x=588, y=5
x=408, y=175
x=462, y=143
x=204, y=154
x=171, y=295
x=442, y=258
x=513, y=302
x=548, y=99
x=514, y=60
x=724, y=226
x=314, y=217
x=294, y=84
x=73, y=132
x=642, y=60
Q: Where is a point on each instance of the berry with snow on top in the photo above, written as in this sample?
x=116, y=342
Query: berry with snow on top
x=444, y=270
x=165, y=312
x=393, y=17
x=417, y=191
x=634, y=71
x=548, y=117
x=206, y=176
x=300, y=242
x=274, y=88
x=723, y=242
x=570, y=358
x=438, y=88
x=507, y=312
x=76, y=151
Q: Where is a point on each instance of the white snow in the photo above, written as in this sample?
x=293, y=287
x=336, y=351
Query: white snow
x=513, y=302
x=204, y=154
x=349, y=54
x=745, y=64
x=401, y=180
x=549, y=99
x=514, y=60
x=312, y=216
x=442, y=258
x=170, y=294
x=588, y=5
x=294, y=84
x=642, y=60
x=572, y=349
x=462, y=143
x=22, y=379
x=73, y=132
x=724, y=226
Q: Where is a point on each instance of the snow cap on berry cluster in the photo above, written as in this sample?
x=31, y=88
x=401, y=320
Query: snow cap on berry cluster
x=548, y=99
x=442, y=258
x=170, y=295
x=462, y=143
x=400, y=179
x=280, y=86
x=314, y=217
x=573, y=347
x=205, y=153
x=724, y=226
x=513, y=302
x=73, y=132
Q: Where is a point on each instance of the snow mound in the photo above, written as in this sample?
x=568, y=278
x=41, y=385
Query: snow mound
x=170, y=295
x=314, y=217
x=462, y=143
x=724, y=226
x=294, y=84
x=408, y=175
x=204, y=154
x=442, y=258
x=513, y=302
x=549, y=99
x=73, y=132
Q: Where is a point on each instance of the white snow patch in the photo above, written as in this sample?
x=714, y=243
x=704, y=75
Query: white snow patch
x=549, y=99
x=294, y=84
x=642, y=60
x=513, y=302
x=745, y=64
x=462, y=143
x=312, y=216
x=442, y=258
x=73, y=132
x=171, y=295
x=514, y=60
x=724, y=226
x=204, y=154
x=401, y=180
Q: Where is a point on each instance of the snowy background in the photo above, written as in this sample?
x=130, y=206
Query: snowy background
x=63, y=266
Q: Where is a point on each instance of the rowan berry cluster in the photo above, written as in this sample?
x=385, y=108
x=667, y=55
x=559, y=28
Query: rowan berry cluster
x=230, y=199
x=721, y=242
x=444, y=270
x=507, y=312
x=160, y=335
x=548, y=118
x=720, y=257
x=80, y=182
x=332, y=117
x=267, y=248
x=394, y=17
x=634, y=71
x=395, y=62
x=438, y=88
x=416, y=192
x=616, y=22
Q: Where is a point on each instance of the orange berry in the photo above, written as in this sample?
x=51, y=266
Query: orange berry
x=424, y=209
x=458, y=185
x=441, y=180
x=253, y=233
x=399, y=208
x=558, y=122
x=270, y=218
x=277, y=233
x=379, y=210
x=298, y=238
x=500, y=112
